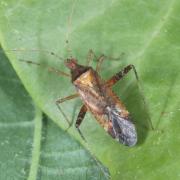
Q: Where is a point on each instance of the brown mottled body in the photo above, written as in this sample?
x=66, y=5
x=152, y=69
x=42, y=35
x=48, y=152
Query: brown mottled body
x=101, y=101
x=97, y=96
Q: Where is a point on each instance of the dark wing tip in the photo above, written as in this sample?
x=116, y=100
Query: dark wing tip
x=124, y=130
x=128, y=139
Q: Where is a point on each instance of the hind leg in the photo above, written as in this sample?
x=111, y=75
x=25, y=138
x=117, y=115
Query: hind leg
x=118, y=76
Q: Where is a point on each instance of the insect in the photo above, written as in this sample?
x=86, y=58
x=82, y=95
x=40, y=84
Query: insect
x=99, y=99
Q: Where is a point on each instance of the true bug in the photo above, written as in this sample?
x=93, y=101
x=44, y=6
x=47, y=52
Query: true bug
x=99, y=99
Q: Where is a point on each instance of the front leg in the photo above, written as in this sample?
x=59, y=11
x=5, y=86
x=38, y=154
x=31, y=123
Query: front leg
x=79, y=120
x=91, y=56
x=100, y=59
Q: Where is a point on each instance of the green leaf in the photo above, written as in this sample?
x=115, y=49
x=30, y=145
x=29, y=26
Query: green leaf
x=147, y=32
x=32, y=146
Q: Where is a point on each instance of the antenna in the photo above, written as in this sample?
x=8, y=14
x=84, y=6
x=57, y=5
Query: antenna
x=37, y=50
x=69, y=25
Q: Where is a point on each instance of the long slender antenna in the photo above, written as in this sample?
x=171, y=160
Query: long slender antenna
x=70, y=21
x=36, y=50
x=69, y=25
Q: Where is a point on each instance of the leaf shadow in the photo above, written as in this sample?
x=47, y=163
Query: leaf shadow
x=167, y=99
x=133, y=100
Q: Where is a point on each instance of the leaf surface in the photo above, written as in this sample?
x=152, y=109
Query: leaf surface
x=32, y=146
x=146, y=32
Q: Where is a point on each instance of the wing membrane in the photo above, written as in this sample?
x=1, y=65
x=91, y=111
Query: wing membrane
x=123, y=128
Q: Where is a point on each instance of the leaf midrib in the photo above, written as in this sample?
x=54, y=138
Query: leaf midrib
x=36, y=145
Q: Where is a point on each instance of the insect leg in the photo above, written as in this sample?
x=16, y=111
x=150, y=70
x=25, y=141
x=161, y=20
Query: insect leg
x=58, y=72
x=61, y=100
x=102, y=58
x=99, y=63
x=90, y=57
x=79, y=120
x=50, y=69
x=118, y=76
